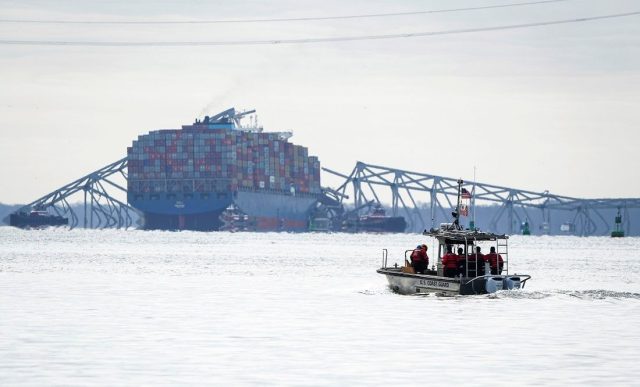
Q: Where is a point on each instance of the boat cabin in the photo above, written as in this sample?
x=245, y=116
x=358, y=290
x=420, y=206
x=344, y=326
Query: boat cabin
x=471, y=262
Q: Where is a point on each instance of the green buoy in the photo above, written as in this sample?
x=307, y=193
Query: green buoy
x=618, y=232
x=525, y=228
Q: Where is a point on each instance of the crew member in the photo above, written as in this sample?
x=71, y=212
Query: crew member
x=420, y=259
x=462, y=261
x=450, y=263
x=480, y=259
x=495, y=261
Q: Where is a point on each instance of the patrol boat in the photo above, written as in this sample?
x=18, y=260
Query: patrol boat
x=473, y=275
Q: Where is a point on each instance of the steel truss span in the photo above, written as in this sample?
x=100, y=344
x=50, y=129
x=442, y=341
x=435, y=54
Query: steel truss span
x=97, y=189
x=438, y=196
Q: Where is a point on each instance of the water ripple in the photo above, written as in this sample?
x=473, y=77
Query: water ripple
x=595, y=294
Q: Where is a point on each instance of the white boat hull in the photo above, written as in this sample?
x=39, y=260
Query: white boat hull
x=409, y=283
x=406, y=283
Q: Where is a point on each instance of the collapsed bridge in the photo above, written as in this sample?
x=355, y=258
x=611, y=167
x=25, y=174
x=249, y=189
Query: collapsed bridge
x=92, y=201
x=97, y=200
x=426, y=200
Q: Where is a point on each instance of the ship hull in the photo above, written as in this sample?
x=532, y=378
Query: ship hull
x=206, y=221
x=266, y=211
x=26, y=221
x=382, y=224
x=276, y=211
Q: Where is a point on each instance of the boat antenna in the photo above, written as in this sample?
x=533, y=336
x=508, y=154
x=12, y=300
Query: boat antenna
x=456, y=213
x=473, y=198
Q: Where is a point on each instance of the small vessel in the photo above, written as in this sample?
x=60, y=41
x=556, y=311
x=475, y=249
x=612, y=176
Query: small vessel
x=376, y=221
x=36, y=219
x=473, y=276
x=233, y=219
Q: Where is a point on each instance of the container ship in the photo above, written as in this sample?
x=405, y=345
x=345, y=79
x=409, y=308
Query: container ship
x=185, y=179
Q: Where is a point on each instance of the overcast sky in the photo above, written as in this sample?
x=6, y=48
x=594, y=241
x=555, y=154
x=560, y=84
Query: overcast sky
x=548, y=108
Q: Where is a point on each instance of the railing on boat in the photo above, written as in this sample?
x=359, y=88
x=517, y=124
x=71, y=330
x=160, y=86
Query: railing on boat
x=385, y=257
x=385, y=254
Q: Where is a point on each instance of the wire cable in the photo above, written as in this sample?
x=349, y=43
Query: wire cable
x=295, y=19
x=307, y=40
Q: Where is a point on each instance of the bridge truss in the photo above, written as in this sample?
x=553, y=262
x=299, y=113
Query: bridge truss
x=409, y=190
x=424, y=200
x=97, y=190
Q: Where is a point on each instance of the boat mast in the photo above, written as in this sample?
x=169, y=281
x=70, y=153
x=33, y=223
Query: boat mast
x=456, y=213
x=473, y=201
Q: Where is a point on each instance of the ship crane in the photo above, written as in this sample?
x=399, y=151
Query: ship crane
x=235, y=117
x=231, y=116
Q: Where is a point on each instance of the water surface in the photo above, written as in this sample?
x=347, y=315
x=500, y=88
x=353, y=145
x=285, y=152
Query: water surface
x=113, y=307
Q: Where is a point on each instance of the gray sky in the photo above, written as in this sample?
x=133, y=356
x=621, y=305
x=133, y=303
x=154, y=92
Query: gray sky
x=551, y=107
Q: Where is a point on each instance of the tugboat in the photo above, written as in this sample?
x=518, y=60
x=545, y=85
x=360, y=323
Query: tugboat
x=379, y=221
x=36, y=219
x=473, y=275
x=233, y=219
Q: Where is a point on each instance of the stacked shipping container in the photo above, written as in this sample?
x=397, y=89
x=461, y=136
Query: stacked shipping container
x=198, y=159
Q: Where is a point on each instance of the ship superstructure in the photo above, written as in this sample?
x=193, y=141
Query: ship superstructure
x=185, y=178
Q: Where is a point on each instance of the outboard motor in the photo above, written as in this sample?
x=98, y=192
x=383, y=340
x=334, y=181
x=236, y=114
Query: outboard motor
x=507, y=284
x=491, y=286
x=511, y=283
x=499, y=283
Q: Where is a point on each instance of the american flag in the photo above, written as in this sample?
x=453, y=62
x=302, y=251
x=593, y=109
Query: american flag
x=466, y=194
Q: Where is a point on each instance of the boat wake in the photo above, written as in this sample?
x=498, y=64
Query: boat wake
x=601, y=294
x=368, y=292
x=595, y=294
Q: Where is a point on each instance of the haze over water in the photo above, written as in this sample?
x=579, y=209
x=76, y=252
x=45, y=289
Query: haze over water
x=113, y=307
